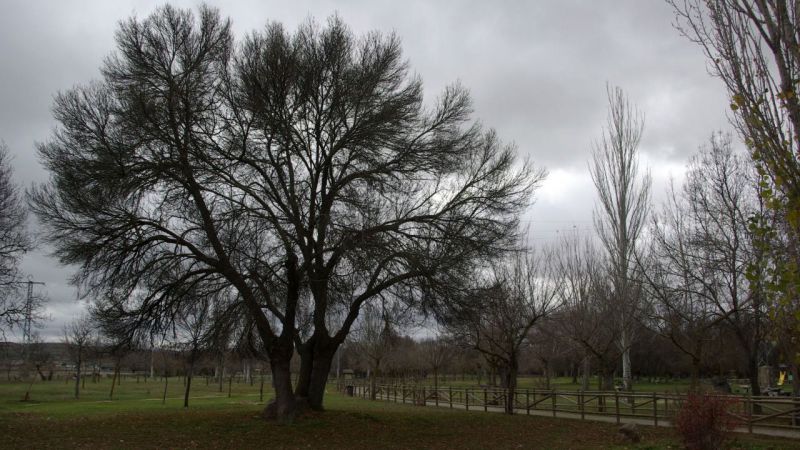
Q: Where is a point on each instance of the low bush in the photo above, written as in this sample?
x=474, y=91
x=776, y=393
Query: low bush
x=705, y=421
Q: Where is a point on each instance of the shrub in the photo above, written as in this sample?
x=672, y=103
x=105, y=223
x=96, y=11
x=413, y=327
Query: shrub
x=705, y=421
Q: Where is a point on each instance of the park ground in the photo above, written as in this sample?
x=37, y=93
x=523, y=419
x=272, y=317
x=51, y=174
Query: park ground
x=136, y=418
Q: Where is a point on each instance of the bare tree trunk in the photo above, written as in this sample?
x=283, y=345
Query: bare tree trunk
x=625, y=343
x=586, y=373
x=221, y=373
x=166, y=380
x=752, y=374
x=547, y=374
x=609, y=381
x=188, y=382
x=574, y=369
x=114, y=380
x=321, y=366
x=306, y=352
x=511, y=385
x=606, y=383
x=283, y=407
x=695, y=375
x=78, y=376
x=372, y=379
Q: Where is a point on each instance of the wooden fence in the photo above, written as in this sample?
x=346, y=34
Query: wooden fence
x=756, y=414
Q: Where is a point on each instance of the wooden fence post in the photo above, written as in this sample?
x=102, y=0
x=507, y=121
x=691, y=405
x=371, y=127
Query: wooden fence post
x=655, y=410
x=749, y=412
x=485, y=401
x=581, y=404
x=466, y=398
x=553, y=398
x=528, y=402
x=616, y=403
x=450, y=395
x=796, y=407
x=424, y=398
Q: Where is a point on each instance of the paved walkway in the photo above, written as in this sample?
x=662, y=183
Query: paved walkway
x=767, y=431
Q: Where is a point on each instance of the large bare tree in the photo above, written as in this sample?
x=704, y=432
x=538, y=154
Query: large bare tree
x=15, y=241
x=436, y=354
x=624, y=199
x=374, y=339
x=588, y=310
x=702, y=254
x=301, y=172
x=673, y=278
x=723, y=199
x=497, y=317
x=753, y=47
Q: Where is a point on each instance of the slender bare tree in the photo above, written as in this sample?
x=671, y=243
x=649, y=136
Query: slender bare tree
x=497, y=317
x=672, y=275
x=587, y=315
x=78, y=335
x=721, y=191
x=194, y=327
x=436, y=353
x=624, y=200
x=374, y=339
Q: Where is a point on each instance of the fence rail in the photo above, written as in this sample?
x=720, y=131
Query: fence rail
x=757, y=414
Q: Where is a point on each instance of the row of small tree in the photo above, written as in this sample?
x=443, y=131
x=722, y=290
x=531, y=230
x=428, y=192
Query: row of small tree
x=721, y=257
x=692, y=271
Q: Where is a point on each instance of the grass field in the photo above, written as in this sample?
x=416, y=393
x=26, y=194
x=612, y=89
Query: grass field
x=136, y=418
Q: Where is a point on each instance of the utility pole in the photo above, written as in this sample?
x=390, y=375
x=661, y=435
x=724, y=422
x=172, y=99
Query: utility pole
x=28, y=321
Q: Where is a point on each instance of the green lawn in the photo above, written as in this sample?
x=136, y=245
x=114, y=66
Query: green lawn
x=137, y=419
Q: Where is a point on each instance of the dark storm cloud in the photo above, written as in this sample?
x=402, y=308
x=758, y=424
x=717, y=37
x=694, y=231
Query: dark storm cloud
x=537, y=72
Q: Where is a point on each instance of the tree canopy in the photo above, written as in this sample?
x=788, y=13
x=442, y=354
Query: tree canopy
x=302, y=173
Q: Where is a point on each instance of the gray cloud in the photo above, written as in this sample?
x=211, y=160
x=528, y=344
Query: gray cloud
x=537, y=72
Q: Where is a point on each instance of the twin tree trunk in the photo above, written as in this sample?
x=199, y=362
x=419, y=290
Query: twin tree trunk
x=316, y=360
x=283, y=408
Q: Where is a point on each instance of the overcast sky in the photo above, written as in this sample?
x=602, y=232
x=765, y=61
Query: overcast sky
x=537, y=72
